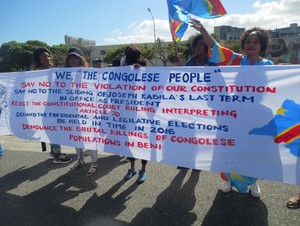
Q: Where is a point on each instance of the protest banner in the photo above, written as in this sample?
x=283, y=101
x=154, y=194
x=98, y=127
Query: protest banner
x=235, y=119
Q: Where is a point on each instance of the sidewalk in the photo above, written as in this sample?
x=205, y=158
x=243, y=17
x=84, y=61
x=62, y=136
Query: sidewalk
x=34, y=191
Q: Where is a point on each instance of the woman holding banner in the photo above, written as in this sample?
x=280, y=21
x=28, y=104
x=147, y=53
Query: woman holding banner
x=75, y=59
x=254, y=43
x=43, y=59
x=133, y=57
x=199, y=51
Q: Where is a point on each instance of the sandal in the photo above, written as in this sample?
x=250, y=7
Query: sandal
x=92, y=170
x=293, y=202
x=77, y=165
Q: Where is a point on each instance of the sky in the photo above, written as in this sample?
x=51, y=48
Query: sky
x=116, y=22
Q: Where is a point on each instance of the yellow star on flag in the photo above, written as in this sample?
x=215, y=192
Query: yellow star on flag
x=281, y=111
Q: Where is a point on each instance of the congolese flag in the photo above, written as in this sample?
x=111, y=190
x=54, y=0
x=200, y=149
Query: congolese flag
x=180, y=10
x=284, y=127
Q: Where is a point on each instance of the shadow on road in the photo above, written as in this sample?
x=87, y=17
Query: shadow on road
x=236, y=209
x=173, y=206
x=46, y=206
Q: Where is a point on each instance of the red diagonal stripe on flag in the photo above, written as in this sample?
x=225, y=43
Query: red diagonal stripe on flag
x=288, y=135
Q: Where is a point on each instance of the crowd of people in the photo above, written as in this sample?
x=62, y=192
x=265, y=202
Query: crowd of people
x=206, y=51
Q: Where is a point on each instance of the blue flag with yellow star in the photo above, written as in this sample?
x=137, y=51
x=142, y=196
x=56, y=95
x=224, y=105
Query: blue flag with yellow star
x=284, y=127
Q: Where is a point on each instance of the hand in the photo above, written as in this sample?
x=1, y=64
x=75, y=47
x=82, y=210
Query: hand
x=136, y=66
x=209, y=40
x=178, y=61
x=196, y=24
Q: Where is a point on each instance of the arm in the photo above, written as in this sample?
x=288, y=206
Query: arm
x=178, y=61
x=206, y=36
x=216, y=53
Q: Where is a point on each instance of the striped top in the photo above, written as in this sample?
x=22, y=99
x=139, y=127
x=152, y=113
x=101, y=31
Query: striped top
x=223, y=56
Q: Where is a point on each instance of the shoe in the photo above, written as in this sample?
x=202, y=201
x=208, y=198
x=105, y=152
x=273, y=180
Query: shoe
x=92, y=170
x=226, y=187
x=130, y=173
x=77, y=165
x=142, y=177
x=255, y=190
x=293, y=202
x=51, y=155
x=181, y=167
x=63, y=158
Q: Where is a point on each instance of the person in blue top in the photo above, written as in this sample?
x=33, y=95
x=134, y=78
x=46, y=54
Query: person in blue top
x=133, y=56
x=254, y=44
x=199, y=50
x=42, y=60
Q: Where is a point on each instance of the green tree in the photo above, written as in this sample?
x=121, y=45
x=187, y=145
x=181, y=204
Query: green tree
x=37, y=43
x=16, y=56
x=161, y=52
x=216, y=37
x=166, y=51
x=234, y=46
x=114, y=54
x=118, y=53
x=148, y=53
x=59, y=54
x=174, y=48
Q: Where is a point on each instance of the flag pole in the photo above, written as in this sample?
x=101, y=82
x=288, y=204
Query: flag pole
x=178, y=60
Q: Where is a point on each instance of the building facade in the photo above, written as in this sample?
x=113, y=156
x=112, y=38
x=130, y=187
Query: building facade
x=288, y=34
x=228, y=33
x=69, y=40
x=287, y=39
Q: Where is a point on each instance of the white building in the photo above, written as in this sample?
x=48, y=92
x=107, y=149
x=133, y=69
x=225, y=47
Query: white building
x=69, y=40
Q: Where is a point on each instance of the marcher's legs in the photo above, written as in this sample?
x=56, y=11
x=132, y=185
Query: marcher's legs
x=241, y=183
x=80, y=161
x=79, y=152
x=94, y=165
x=132, y=171
x=132, y=163
x=142, y=173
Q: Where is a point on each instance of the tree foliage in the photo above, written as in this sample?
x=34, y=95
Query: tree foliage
x=114, y=54
x=148, y=53
x=59, y=54
x=118, y=52
x=161, y=51
x=234, y=46
x=16, y=56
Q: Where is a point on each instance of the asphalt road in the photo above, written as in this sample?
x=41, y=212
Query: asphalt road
x=34, y=191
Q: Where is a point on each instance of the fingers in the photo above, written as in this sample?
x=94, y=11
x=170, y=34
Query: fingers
x=136, y=66
x=178, y=61
x=195, y=23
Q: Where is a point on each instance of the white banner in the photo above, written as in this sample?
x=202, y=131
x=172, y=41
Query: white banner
x=234, y=119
